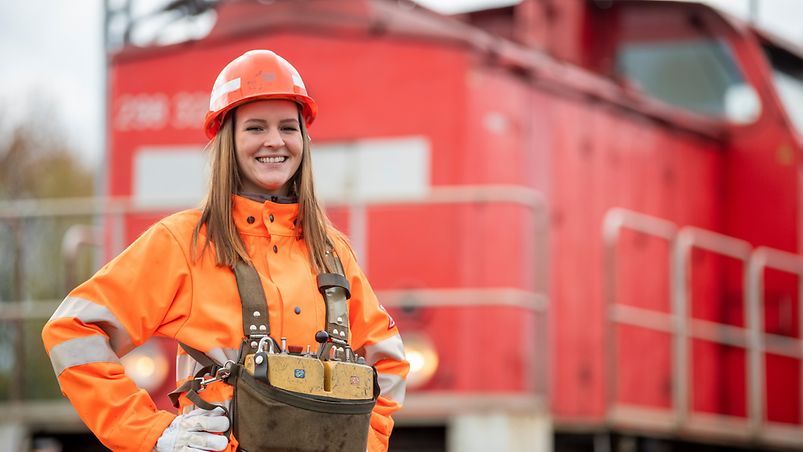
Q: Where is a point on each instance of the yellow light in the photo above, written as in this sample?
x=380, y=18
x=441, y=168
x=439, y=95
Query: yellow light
x=417, y=361
x=144, y=365
x=423, y=359
x=147, y=366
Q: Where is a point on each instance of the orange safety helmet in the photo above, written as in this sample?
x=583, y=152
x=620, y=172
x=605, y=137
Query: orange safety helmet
x=256, y=74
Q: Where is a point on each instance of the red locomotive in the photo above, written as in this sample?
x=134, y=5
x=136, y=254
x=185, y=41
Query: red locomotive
x=585, y=216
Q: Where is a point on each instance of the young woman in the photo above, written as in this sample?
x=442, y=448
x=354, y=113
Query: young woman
x=176, y=280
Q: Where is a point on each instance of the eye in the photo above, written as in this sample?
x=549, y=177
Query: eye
x=290, y=128
x=253, y=129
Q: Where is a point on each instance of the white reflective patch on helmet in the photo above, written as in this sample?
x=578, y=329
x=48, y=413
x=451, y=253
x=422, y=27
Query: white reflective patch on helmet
x=297, y=81
x=222, y=90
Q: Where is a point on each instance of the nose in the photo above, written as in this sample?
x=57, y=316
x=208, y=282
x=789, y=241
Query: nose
x=273, y=139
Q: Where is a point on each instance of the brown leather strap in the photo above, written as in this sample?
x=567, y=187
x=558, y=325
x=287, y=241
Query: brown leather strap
x=199, y=356
x=335, y=290
x=209, y=367
x=256, y=323
x=190, y=385
x=191, y=389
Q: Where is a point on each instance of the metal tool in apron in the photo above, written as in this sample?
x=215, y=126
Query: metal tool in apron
x=293, y=401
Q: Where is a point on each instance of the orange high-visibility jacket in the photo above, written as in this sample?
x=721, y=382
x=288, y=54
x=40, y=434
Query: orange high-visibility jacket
x=155, y=288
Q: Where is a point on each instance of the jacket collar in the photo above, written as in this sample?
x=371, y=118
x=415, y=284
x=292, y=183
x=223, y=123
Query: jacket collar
x=264, y=218
x=261, y=197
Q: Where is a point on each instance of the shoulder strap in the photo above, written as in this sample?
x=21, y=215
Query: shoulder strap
x=335, y=290
x=256, y=324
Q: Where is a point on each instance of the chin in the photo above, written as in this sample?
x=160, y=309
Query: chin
x=272, y=189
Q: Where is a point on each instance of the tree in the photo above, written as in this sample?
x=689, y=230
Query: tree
x=36, y=161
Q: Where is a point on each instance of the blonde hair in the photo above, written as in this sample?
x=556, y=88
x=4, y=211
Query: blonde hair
x=317, y=230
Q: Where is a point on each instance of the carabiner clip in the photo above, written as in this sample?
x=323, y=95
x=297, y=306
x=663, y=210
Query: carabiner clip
x=221, y=374
x=261, y=346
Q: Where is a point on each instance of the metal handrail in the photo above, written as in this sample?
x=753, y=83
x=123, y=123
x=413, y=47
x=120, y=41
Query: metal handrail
x=531, y=199
x=705, y=330
x=752, y=338
x=614, y=221
x=458, y=194
x=763, y=258
x=689, y=238
x=115, y=209
x=463, y=297
x=466, y=194
x=74, y=207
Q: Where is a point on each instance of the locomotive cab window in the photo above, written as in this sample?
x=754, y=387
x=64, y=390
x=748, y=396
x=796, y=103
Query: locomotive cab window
x=787, y=76
x=684, y=60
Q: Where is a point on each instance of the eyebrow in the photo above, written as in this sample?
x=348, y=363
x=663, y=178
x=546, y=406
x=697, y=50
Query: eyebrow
x=262, y=121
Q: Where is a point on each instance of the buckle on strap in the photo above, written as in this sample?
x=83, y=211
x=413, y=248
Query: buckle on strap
x=220, y=375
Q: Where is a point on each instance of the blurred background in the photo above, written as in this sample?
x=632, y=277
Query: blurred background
x=584, y=215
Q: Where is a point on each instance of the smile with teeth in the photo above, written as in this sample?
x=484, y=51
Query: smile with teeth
x=271, y=159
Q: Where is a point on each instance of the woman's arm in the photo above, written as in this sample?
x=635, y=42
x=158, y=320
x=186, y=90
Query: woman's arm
x=119, y=308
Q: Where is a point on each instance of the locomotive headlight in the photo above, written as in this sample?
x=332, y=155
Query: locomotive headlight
x=422, y=357
x=147, y=366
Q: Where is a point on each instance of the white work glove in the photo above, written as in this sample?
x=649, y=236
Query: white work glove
x=195, y=432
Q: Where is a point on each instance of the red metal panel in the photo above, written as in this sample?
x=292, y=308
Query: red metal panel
x=576, y=295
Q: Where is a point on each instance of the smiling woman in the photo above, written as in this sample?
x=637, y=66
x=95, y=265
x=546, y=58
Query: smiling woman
x=259, y=262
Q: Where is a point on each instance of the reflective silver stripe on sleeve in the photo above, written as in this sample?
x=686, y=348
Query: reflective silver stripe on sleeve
x=390, y=348
x=392, y=387
x=93, y=313
x=82, y=350
x=187, y=366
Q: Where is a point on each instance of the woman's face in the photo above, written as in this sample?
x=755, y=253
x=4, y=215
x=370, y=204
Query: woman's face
x=269, y=145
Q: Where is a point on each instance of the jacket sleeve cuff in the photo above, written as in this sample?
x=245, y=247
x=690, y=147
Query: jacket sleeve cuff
x=162, y=421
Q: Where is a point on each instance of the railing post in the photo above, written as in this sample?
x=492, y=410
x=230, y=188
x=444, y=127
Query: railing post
x=611, y=225
x=16, y=386
x=800, y=335
x=755, y=326
x=614, y=221
x=680, y=355
x=689, y=238
x=117, y=227
x=761, y=259
x=358, y=231
x=76, y=237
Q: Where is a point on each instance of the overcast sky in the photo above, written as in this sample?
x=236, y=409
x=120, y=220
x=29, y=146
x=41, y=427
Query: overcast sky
x=51, y=54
